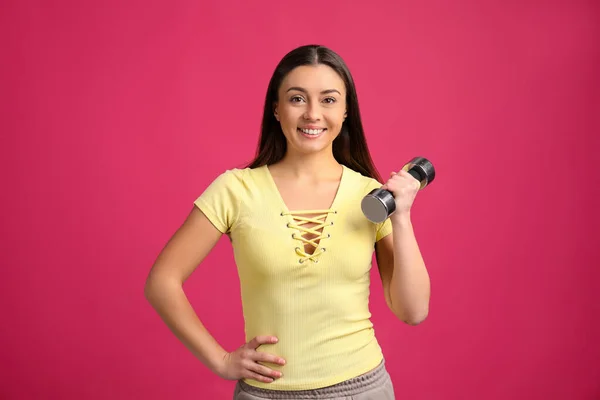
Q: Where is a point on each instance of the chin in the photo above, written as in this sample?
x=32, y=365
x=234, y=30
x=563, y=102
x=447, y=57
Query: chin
x=312, y=149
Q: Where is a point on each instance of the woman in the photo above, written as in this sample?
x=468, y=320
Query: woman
x=302, y=246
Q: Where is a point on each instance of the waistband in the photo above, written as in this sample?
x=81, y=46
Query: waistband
x=350, y=387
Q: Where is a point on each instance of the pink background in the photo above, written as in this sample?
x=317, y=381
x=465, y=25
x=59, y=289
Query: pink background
x=116, y=115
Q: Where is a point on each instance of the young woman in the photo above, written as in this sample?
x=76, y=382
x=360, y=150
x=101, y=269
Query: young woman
x=302, y=246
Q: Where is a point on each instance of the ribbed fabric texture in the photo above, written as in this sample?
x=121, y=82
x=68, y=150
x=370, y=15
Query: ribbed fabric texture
x=317, y=305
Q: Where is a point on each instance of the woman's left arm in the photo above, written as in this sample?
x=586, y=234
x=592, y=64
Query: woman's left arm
x=403, y=273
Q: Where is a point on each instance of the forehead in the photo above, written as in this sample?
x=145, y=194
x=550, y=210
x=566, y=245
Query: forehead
x=313, y=78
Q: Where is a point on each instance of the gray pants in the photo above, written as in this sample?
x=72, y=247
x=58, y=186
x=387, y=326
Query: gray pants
x=374, y=385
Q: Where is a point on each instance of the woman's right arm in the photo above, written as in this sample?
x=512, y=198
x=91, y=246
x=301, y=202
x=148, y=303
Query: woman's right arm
x=186, y=249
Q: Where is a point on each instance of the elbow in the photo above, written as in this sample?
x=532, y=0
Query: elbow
x=151, y=289
x=148, y=291
x=414, y=321
x=414, y=318
x=159, y=287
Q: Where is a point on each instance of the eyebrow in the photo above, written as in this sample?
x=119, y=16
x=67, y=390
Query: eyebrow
x=322, y=92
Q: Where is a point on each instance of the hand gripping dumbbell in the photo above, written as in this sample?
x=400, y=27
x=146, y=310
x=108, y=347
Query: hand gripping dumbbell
x=379, y=204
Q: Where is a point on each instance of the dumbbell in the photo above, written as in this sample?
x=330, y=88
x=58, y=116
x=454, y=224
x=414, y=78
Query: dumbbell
x=379, y=204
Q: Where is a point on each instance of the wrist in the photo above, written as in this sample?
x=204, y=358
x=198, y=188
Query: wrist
x=401, y=219
x=217, y=362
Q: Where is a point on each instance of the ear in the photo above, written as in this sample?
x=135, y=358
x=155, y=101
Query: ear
x=275, y=111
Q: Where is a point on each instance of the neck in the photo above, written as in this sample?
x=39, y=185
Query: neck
x=310, y=166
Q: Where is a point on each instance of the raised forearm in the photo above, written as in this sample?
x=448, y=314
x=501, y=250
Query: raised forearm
x=410, y=284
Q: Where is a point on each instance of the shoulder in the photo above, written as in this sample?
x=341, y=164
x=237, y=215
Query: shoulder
x=240, y=182
x=233, y=174
x=222, y=199
x=232, y=177
x=364, y=183
x=228, y=183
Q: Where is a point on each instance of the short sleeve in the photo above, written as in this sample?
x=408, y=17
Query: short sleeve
x=383, y=229
x=221, y=200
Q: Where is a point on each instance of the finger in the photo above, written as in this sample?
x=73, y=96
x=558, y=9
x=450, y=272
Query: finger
x=257, y=377
x=393, y=181
x=405, y=174
x=258, y=340
x=414, y=181
x=269, y=358
x=406, y=177
x=264, y=371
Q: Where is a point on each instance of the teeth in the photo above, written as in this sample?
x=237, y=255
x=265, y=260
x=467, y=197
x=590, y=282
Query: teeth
x=312, y=131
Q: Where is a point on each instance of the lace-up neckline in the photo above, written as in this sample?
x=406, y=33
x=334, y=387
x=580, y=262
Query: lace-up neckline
x=304, y=238
x=321, y=221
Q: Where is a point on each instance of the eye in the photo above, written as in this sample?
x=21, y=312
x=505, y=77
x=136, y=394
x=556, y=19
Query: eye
x=296, y=99
x=330, y=100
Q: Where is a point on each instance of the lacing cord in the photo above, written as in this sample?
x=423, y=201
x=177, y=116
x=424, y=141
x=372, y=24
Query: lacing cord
x=317, y=230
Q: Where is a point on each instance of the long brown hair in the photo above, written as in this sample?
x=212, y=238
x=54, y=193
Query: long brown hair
x=349, y=147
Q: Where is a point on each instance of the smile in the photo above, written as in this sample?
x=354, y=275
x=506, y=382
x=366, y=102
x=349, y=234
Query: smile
x=312, y=132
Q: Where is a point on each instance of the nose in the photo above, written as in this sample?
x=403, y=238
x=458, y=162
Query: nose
x=312, y=111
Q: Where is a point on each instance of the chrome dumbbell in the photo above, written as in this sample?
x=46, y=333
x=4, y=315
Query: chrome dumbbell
x=379, y=204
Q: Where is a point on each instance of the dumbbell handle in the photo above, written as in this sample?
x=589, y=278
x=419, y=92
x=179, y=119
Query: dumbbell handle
x=379, y=204
x=415, y=174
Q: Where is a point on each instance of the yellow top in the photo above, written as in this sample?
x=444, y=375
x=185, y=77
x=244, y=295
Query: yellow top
x=317, y=305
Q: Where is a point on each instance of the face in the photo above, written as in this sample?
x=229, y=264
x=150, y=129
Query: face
x=311, y=108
